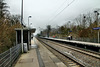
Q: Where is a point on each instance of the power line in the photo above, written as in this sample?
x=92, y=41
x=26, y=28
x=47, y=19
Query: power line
x=85, y=10
x=62, y=10
x=60, y=6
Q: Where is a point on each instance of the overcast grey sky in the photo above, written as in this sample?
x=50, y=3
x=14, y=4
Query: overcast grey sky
x=43, y=12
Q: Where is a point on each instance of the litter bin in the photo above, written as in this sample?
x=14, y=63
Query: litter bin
x=25, y=47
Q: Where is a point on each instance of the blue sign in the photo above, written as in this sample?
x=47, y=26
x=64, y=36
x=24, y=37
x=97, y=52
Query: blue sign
x=70, y=31
x=97, y=28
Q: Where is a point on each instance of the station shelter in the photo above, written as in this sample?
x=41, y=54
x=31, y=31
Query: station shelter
x=23, y=36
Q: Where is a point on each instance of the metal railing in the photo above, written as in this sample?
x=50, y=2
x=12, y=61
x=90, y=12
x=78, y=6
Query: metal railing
x=9, y=57
x=93, y=40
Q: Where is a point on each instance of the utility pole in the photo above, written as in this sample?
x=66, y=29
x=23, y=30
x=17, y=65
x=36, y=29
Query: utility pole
x=22, y=26
x=69, y=27
x=22, y=14
x=84, y=21
x=97, y=22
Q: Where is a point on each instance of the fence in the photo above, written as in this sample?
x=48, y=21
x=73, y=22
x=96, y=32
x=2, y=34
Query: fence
x=9, y=57
x=94, y=40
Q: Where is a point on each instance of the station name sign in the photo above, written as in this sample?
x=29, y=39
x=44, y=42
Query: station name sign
x=97, y=28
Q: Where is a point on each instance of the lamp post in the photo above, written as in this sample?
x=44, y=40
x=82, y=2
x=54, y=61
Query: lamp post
x=96, y=12
x=22, y=25
x=84, y=20
x=69, y=27
x=28, y=20
x=69, y=24
x=22, y=13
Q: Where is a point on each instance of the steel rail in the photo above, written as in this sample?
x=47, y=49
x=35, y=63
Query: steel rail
x=83, y=64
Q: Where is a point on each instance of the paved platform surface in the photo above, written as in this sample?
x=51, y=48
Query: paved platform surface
x=40, y=57
x=78, y=42
x=28, y=59
x=49, y=59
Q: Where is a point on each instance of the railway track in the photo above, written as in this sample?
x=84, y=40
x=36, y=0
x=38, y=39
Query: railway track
x=75, y=57
x=81, y=50
x=70, y=62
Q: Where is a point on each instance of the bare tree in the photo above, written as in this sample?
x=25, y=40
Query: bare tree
x=14, y=19
x=3, y=8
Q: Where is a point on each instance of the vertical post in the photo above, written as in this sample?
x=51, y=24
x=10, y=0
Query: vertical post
x=22, y=26
x=10, y=58
x=28, y=21
x=69, y=27
x=97, y=22
x=84, y=21
x=22, y=39
x=28, y=40
x=22, y=13
x=98, y=36
x=98, y=26
x=16, y=38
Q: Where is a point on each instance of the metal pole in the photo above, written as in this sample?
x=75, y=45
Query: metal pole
x=10, y=58
x=28, y=21
x=28, y=41
x=16, y=38
x=22, y=26
x=98, y=26
x=84, y=21
x=97, y=22
x=69, y=27
x=98, y=36
x=22, y=13
x=22, y=39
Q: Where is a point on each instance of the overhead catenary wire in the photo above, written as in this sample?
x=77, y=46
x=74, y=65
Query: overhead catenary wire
x=85, y=10
x=61, y=11
x=60, y=6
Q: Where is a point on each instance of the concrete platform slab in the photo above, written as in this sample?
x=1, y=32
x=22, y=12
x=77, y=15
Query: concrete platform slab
x=49, y=59
x=28, y=59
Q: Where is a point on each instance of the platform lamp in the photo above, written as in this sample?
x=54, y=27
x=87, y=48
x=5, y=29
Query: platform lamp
x=22, y=25
x=28, y=19
x=96, y=12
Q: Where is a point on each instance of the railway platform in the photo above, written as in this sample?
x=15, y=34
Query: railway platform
x=48, y=58
x=85, y=45
x=28, y=59
x=39, y=57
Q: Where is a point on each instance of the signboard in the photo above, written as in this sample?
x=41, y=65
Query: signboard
x=97, y=28
x=70, y=31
